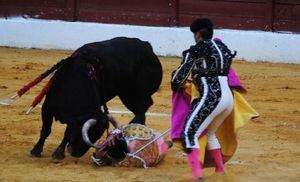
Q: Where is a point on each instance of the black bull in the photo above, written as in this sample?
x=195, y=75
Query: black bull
x=93, y=75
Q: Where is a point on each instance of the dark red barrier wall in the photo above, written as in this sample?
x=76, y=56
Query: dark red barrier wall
x=271, y=15
x=239, y=14
x=140, y=12
x=287, y=15
x=44, y=9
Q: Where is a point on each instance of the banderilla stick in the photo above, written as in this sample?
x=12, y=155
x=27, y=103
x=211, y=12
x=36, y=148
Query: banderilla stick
x=38, y=79
x=39, y=98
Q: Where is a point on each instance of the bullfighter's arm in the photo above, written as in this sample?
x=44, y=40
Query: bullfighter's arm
x=182, y=72
x=189, y=58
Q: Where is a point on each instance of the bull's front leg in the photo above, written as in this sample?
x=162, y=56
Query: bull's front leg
x=139, y=118
x=59, y=153
x=47, y=119
x=138, y=104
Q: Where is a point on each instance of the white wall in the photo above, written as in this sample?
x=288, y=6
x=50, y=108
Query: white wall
x=166, y=41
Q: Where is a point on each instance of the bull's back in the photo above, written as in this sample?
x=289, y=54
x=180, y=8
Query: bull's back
x=127, y=59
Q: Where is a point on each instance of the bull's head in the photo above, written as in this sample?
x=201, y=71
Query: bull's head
x=83, y=137
x=116, y=150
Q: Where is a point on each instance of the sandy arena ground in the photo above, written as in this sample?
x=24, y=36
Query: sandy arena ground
x=269, y=147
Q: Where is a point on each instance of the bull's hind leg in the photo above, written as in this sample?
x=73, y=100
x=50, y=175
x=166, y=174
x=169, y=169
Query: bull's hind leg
x=47, y=119
x=59, y=153
x=138, y=105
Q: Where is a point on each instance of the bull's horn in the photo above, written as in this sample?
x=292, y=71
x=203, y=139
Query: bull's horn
x=85, y=131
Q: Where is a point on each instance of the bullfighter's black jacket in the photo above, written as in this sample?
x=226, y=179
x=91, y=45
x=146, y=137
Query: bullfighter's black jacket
x=207, y=58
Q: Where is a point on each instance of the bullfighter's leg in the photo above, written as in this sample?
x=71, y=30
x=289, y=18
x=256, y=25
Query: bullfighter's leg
x=59, y=153
x=138, y=105
x=47, y=119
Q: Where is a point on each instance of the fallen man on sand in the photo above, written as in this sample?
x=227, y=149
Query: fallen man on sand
x=132, y=145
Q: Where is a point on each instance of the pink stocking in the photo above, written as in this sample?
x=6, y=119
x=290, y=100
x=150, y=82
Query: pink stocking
x=194, y=163
x=216, y=154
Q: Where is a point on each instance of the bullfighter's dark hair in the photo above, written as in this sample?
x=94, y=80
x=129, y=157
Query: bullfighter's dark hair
x=118, y=150
x=204, y=26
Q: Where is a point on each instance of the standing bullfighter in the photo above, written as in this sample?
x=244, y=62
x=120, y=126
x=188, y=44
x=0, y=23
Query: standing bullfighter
x=85, y=81
x=208, y=62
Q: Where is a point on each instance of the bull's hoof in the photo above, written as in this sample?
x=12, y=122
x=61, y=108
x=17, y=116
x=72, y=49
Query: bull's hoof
x=58, y=154
x=33, y=153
